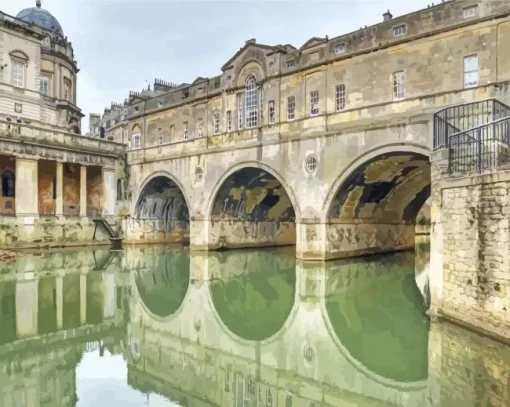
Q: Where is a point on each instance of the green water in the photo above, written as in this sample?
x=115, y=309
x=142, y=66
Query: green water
x=156, y=326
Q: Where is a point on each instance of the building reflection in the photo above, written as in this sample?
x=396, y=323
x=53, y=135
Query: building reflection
x=55, y=306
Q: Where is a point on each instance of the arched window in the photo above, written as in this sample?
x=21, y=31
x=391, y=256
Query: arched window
x=8, y=184
x=119, y=190
x=251, y=102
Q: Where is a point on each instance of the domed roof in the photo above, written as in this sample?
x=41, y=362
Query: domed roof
x=41, y=18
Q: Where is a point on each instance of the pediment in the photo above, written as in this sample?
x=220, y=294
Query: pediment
x=199, y=80
x=18, y=54
x=249, y=48
x=314, y=41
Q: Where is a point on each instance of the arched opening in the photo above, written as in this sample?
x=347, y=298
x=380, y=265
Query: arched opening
x=377, y=313
x=161, y=213
x=376, y=207
x=252, y=209
x=257, y=296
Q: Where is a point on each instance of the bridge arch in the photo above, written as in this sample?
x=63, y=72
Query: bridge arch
x=252, y=205
x=374, y=204
x=161, y=210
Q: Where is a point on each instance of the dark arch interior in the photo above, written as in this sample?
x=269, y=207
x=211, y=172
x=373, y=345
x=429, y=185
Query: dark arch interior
x=252, y=208
x=162, y=204
x=256, y=299
x=389, y=188
x=163, y=282
x=253, y=194
x=378, y=314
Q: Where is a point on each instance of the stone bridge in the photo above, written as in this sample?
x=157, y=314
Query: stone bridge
x=334, y=195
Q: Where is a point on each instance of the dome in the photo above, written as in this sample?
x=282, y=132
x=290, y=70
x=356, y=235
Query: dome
x=40, y=17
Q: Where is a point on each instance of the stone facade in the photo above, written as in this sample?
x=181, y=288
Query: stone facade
x=470, y=280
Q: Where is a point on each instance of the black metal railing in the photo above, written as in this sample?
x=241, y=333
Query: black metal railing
x=460, y=118
x=481, y=148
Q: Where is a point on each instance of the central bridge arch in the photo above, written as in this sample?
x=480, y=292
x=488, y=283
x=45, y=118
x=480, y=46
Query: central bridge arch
x=251, y=206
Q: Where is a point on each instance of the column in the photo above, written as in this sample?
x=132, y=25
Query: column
x=59, y=287
x=83, y=191
x=83, y=298
x=59, y=204
x=109, y=191
x=27, y=197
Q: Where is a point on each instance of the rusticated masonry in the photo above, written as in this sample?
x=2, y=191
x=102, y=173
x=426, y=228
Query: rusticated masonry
x=475, y=280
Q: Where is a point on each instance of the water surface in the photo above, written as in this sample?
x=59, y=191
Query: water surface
x=156, y=326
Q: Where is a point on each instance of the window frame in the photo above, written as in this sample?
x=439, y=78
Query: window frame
x=136, y=141
x=21, y=64
x=44, y=79
x=200, y=127
x=466, y=10
x=340, y=48
x=465, y=73
x=216, y=122
x=185, y=131
x=314, y=103
x=340, y=97
x=290, y=63
x=399, y=30
x=396, y=87
x=251, y=103
x=229, y=120
x=240, y=111
x=291, y=108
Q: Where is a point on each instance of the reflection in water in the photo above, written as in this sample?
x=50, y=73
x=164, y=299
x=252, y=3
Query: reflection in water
x=242, y=328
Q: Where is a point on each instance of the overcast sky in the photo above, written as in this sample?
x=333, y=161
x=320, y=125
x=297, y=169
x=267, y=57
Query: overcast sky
x=121, y=44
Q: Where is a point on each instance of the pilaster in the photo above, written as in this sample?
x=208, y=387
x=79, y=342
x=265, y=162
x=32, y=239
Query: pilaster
x=59, y=179
x=109, y=191
x=27, y=197
x=83, y=191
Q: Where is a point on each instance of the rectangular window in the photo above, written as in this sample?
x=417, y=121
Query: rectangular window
x=136, y=143
x=45, y=85
x=398, y=85
x=471, y=11
x=185, y=134
x=471, y=71
x=160, y=140
x=290, y=63
x=314, y=103
x=291, y=108
x=216, y=124
x=339, y=97
x=229, y=120
x=200, y=132
x=67, y=90
x=271, y=111
x=240, y=111
x=17, y=72
x=400, y=30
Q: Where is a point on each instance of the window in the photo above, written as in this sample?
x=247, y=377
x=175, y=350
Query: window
x=8, y=184
x=45, y=85
x=291, y=108
x=160, y=139
x=339, y=97
x=251, y=102
x=471, y=11
x=471, y=71
x=339, y=49
x=290, y=63
x=172, y=131
x=398, y=85
x=240, y=111
x=271, y=111
x=18, y=107
x=136, y=141
x=400, y=30
x=185, y=133
x=314, y=103
x=67, y=90
x=229, y=120
x=101, y=132
x=17, y=74
x=119, y=190
x=216, y=123
x=200, y=131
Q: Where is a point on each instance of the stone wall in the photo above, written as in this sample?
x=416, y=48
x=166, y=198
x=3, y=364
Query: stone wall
x=472, y=231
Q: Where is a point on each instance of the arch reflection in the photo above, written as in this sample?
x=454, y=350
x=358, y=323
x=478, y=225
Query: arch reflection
x=162, y=279
x=378, y=315
x=253, y=291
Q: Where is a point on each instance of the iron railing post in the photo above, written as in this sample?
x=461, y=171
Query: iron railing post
x=479, y=152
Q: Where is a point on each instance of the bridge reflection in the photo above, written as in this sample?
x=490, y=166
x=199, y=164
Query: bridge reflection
x=259, y=327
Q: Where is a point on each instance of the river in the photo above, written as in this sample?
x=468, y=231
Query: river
x=158, y=326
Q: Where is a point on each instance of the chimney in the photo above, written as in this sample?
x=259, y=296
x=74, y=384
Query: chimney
x=38, y=3
x=387, y=16
x=251, y=41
